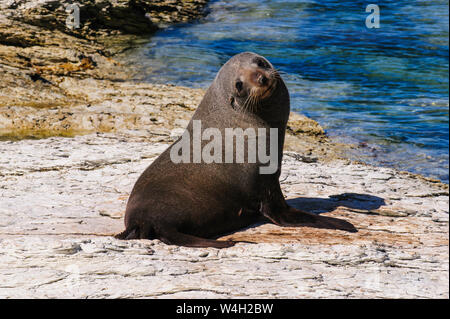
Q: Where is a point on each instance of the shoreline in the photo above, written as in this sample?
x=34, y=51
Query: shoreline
x=63, y=198
x=47, y=68
x=62, y=83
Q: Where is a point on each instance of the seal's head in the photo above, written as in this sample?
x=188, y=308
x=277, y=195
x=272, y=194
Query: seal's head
x=250, y=81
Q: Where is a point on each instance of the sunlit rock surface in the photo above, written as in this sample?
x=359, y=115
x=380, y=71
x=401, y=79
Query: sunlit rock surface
x=63, y=199
x=63, y=196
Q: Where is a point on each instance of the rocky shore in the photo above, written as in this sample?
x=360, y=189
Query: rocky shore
x=76, y=133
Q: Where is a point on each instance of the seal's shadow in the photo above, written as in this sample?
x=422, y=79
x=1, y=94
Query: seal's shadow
x=324, y=205
x=349, y=200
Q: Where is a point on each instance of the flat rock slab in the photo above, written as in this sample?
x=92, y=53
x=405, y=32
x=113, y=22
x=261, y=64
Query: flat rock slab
x=63, y=198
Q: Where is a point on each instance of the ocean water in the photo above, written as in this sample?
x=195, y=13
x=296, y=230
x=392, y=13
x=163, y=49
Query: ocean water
x=384, y=89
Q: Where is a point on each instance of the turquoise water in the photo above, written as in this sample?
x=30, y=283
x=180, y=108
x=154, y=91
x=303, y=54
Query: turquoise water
x=384, y=89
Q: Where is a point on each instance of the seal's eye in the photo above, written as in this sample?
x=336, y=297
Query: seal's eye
x=239, y=86
x=260, y=63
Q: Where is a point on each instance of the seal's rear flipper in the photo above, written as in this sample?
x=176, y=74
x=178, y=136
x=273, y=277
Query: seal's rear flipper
x=129, y=233
x=292, y=217
x=180, y=239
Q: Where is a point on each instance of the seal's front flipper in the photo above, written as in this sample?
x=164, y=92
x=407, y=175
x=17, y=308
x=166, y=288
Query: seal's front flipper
x=293, y=217
x=180, y=239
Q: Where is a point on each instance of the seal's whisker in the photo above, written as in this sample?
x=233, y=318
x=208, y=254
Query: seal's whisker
x=255, y=101
x=276, y=74
x=251, y=98
x=278, y=71
x=245, y=106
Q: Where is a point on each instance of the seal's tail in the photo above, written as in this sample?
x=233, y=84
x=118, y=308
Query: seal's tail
x=173, y=237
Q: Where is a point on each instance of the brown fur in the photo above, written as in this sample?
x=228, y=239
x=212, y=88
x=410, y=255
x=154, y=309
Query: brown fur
x=189, y=203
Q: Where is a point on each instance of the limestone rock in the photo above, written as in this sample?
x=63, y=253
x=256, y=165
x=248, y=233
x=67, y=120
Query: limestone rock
x=63, y=198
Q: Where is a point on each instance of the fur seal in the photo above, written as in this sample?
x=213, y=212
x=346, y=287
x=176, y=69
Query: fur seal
x=189, y=203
